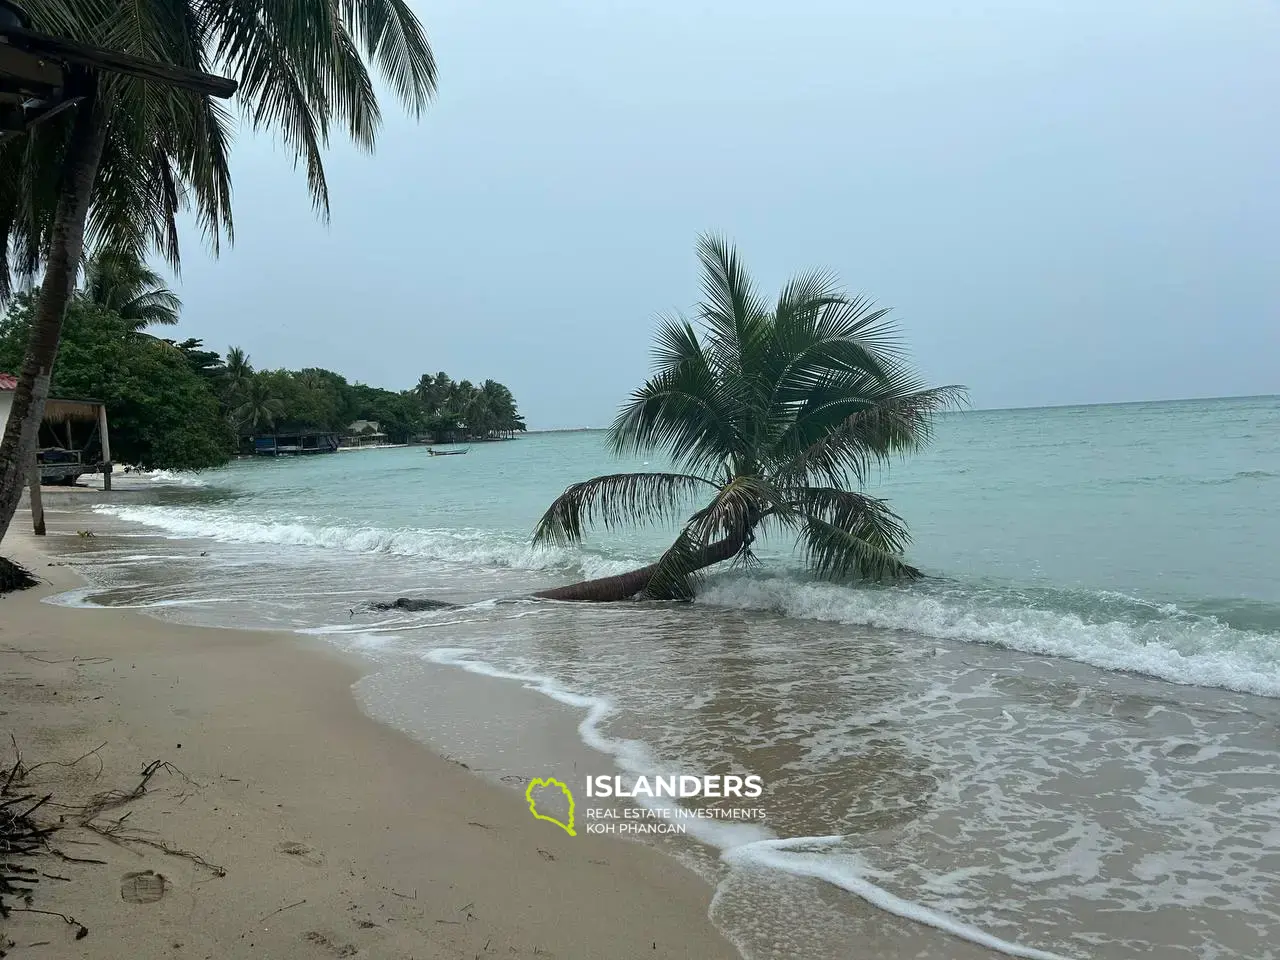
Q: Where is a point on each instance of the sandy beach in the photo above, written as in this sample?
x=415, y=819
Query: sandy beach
x=283, y=821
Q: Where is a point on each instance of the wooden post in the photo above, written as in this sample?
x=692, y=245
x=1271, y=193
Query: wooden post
x=106, y=446
x=37, y=504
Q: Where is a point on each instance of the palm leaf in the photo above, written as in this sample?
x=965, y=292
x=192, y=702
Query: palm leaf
x=850, y=534
x=684, y=411
x=675, y=576
x=851, y=435
x=615, y=500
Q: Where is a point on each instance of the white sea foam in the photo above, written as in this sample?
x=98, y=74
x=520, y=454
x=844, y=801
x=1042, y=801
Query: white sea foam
x=1199, y=651
x=473, y=547
x=85, y=598
x=174, y=478
x=740, y=844
x=801, y=857
x=160, y=478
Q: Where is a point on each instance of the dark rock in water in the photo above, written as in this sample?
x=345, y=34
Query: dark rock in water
x=411, y=603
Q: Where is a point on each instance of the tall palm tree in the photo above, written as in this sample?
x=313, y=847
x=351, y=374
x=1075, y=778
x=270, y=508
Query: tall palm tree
x=125, y=285
x=259, y=408
x=774, y=413
x=238, y=372
x=121, y=165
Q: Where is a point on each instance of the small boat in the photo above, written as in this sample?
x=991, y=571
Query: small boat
x=446, y=453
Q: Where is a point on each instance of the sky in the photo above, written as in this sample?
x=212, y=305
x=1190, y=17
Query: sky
x=1064, y=202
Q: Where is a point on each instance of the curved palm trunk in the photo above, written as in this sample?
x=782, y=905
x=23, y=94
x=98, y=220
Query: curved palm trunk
x=80, y=168
x=624, y=586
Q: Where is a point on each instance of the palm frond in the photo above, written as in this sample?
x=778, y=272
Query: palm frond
x=844, y=439
x=615, y=500
x=684, y=411
x=732, y=311
x=394, y=40
x=735, y=511
x=277, y=55
x=675, y=576
x=850, y=534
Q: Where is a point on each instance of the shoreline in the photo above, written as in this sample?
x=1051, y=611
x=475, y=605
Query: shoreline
x=339, y=835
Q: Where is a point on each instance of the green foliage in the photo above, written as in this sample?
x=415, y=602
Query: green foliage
x=259, y=410
x=782, y=409
x=163, y=414
x=125, y=285
x=303, y=69
x=320, y=400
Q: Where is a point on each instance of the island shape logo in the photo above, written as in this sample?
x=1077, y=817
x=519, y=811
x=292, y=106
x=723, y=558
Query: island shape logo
x=550, y=782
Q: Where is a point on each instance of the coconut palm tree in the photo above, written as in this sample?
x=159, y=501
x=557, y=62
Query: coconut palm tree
x=126, y=286
x=774, y=414
x=259, y=408
x=238, y=371
x=118, y=168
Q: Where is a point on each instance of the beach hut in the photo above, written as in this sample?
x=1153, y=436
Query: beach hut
x=74, y=440
x=365, y=433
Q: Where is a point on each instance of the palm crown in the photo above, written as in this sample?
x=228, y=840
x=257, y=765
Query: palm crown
x=776, y=412
x=129, y=288
x=301, y=69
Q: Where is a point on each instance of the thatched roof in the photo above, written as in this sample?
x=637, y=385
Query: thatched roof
x=59, y=409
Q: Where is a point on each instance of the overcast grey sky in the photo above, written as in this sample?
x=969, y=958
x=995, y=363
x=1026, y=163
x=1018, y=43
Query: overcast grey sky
x=1066, y=202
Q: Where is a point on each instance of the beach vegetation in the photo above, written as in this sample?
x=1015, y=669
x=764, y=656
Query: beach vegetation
x=164, y=413
x=315, y=399
x=129, y=288
x=117, y=169
x=774, y=413
x=258, y=408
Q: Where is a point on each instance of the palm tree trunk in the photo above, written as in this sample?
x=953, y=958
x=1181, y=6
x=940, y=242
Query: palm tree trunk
x=624, y=586
x=66, y=245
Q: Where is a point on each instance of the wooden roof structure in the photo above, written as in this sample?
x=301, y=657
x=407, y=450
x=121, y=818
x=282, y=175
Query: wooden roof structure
x=60, y=409
x=38, y=72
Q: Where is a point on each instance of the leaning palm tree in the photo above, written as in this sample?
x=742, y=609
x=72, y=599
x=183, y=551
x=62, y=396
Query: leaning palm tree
x=126, y=286
x=118, y=168
x=774, y=414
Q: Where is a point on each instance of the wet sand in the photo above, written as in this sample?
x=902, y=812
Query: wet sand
x=305, y=828
x=983, y=797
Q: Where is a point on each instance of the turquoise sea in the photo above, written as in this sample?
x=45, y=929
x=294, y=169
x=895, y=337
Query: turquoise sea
x=1065, y=742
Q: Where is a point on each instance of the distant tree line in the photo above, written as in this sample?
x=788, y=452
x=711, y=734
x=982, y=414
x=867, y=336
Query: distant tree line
x=438, y=409
x=175, y=405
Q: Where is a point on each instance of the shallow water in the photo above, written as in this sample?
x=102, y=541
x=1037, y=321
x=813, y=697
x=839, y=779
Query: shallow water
x=997, y=753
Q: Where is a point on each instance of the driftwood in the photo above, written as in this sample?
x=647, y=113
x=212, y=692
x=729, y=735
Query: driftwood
x=21, y=836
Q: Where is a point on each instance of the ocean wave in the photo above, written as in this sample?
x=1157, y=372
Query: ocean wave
x=173, y=478
x=741, y=845
x=1177, y=479
x=811, y=857
x=1173, y=646
x=473, y=547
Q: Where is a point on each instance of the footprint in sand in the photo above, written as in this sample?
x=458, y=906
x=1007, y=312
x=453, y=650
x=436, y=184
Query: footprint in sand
x=337, y=949
x=143, y=886
x=300, y=850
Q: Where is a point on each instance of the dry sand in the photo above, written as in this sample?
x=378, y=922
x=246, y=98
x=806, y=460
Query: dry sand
x=327, y=834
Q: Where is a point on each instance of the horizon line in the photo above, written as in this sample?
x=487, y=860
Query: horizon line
x=1042, y=406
